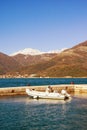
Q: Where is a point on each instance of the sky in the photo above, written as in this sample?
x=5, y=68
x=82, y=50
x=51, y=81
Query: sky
x=42, y=24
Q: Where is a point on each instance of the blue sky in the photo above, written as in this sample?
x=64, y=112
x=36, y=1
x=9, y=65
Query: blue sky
x=42, y=24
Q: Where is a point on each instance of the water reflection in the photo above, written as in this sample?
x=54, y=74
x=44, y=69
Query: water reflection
x=47, y=101
x=28, y=100
x=81, y=95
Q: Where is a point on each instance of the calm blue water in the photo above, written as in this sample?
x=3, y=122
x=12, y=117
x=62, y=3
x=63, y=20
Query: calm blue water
x=22, y=113
x=12, y=82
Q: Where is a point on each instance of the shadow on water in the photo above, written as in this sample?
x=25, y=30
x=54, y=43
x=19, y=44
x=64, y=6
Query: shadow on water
x=48, y=101
x=81, y=95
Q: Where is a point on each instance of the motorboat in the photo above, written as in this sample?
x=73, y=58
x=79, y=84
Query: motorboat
x=47, y=95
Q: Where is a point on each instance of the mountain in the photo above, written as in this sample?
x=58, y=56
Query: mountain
x=26, y=60
x=30, y=51
x=10, y=64
x=69, y=63
x=30, y=56
x=7, y=64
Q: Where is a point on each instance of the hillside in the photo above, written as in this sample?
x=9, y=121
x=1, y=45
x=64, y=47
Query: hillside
x=71, y=62
x=7, y=64
x=26, y=60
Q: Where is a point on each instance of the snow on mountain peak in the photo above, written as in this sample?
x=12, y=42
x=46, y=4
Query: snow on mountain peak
x=57, y=51
x=30, y=51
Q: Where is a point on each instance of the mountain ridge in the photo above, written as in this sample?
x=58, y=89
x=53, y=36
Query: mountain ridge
x=71, y=62
x=30, y=51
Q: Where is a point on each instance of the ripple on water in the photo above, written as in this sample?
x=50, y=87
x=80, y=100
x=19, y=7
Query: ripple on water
x=22, y=113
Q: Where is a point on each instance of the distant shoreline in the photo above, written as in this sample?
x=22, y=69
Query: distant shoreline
x=38, y=77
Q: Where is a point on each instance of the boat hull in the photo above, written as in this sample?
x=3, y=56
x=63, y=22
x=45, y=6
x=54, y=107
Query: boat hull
x=45, y=95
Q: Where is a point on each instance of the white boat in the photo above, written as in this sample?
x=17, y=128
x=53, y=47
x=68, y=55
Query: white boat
x=46, y=95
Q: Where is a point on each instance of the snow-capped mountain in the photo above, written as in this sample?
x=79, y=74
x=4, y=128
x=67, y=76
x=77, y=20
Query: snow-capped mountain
x=30, y=51
x=57, y=51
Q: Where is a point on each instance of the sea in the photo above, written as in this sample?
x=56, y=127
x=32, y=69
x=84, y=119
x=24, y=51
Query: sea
x=17, y=82
x=23, y=113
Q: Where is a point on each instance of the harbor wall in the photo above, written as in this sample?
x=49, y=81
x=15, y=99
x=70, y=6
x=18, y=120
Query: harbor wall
x=12, y=91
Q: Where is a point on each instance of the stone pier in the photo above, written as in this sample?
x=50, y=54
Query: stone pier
x=12, y=91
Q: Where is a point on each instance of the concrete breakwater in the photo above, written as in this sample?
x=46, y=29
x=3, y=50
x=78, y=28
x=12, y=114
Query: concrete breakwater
x=12, y=91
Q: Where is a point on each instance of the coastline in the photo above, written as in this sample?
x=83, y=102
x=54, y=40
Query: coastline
x=8, y=77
